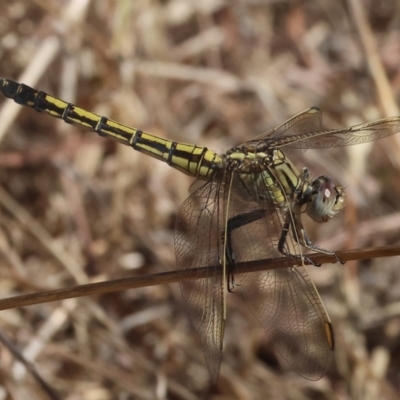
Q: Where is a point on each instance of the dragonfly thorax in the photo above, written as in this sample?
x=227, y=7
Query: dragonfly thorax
x=248, y=162
x=263, y=176
x=324, y=199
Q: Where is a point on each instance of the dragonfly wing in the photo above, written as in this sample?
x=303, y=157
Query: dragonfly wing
x=294, y=319
x=198, y=243
x=285, y=301
x=307, y=121
x=356, y=134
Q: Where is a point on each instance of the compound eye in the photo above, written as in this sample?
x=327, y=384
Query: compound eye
x=327, y=200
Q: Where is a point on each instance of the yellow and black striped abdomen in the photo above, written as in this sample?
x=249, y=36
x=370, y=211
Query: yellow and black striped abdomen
x=190, y=159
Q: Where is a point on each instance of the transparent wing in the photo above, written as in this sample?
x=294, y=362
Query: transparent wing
x=198, y=243
x=289, y=309
x=307, y=121
x=284, y=301
x=342, y=137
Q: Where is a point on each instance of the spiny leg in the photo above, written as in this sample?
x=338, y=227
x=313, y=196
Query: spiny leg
x=293, y=221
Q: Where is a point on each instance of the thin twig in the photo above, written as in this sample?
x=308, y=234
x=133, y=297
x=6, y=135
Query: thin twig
x=42, y=235
x=30, y=367
x=195, y=273
x=378, y=72
x=384, y=90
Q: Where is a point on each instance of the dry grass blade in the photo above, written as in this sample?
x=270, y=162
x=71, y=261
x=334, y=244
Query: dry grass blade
x=77, y=209
x=30, y=367
x=382, y=83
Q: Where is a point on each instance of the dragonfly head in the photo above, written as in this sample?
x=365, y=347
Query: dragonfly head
x=326, y=200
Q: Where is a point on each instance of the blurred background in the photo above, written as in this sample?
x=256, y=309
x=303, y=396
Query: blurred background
x=76, y=208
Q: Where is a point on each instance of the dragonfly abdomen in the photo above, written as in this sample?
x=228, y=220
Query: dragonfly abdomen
x=190, y=159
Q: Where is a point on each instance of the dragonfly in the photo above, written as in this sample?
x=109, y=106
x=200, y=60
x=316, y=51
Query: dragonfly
x=245, y=204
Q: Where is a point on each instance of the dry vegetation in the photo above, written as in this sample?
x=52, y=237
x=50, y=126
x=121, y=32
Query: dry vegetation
x=76, y=208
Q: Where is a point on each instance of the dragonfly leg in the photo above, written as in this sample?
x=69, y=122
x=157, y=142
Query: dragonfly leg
x=231, y=283
x=309, y=244
x=293, y=221
x=283, y=240
x=234, y=223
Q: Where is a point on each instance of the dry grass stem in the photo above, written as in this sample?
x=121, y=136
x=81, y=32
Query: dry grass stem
x=162, y=278
x=83, y=216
